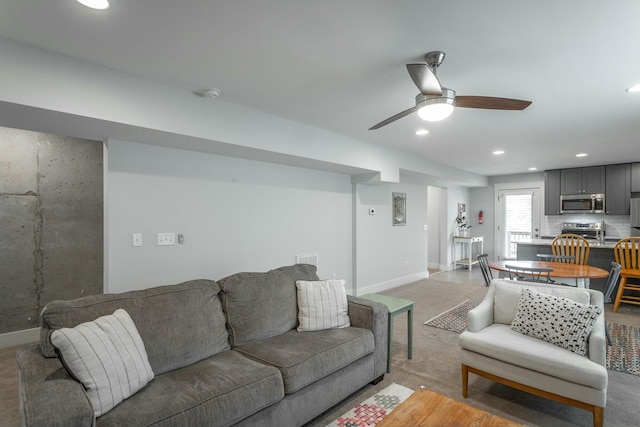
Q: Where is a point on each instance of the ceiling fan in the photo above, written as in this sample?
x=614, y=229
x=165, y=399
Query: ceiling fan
x=436, y=102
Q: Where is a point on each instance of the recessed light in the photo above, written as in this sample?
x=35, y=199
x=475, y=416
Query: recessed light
x=422, y=132
x=533, y=169
x=95, y=4
x=635, y=88
x=581, y=155
x=498, y=152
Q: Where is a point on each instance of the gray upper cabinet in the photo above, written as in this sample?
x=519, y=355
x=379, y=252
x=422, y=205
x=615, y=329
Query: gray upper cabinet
x=635, y=177
x=552, y=192
x=583, y=180
x=618, y=189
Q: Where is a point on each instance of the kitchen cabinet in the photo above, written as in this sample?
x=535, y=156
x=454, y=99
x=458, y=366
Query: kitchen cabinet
x=618, y=189
x=552, y=192
x=582, y=180
x=635, y=177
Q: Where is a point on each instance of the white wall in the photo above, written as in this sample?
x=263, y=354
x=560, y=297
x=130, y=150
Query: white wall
x=388, y=255
x=236, y=215
x=483, y=199
x=435, y=198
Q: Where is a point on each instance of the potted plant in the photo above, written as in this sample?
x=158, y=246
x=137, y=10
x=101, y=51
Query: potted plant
x=463, y=226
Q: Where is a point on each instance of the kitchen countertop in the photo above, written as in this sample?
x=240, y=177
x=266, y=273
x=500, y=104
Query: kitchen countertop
x=547, y=242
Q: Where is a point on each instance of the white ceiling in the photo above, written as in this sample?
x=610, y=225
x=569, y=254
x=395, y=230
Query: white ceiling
x=340, y=65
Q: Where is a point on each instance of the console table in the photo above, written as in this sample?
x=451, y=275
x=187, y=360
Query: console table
x=467, y=250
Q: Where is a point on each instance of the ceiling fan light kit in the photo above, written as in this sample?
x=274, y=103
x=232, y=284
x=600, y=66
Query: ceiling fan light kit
x=433, y=108
x=95, y=4
x=435, y=102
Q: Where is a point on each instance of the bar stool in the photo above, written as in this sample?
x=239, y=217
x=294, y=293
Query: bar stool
x=627, y=253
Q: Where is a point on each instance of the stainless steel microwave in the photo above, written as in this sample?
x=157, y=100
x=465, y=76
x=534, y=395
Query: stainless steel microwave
x=582, y=203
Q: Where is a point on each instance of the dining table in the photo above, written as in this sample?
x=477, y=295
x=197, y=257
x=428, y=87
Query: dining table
x=561, y=272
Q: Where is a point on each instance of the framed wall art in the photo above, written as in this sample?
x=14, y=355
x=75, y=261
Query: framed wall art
x=399, y=202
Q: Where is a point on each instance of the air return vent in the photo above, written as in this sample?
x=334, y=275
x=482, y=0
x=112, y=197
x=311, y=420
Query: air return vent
x=311, y=258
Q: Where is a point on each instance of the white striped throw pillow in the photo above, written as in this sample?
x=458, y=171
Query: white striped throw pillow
x=322, y=305
x=107, y=356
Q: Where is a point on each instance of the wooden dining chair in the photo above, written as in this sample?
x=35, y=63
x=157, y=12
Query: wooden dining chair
x=530, y=274
x=627, y=253
x=572, y=245
x=484, y=267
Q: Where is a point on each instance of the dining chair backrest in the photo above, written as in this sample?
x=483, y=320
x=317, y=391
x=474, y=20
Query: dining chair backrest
x=530, y=274
x=612, y=280
x=627, y=253
x=565, y=259
x=572, y=245
x=483, y=261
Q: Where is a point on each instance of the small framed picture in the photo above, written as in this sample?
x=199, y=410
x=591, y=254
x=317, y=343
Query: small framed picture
x=462, y=210
x=399, y=201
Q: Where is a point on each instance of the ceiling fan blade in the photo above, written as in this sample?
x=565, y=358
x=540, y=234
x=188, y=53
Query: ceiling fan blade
x=425, y=79
x=491, y=103
x=393, y=118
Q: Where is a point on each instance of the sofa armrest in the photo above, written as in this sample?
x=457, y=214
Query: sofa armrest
x=374, y=316
x=48, y=395
x=481, y=316
x=597, y=345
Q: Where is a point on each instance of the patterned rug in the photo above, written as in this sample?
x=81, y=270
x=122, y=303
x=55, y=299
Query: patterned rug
x=454, y=319
x=374, y=409
x=624, y=352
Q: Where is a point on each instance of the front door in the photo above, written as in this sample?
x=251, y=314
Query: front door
x=518, y=219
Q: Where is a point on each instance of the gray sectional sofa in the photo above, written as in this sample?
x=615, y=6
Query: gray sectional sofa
x=223, y=353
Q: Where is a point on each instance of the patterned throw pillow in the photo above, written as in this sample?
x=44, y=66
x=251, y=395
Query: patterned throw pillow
x=322, y=305
x=107, y=356
x=557, y=320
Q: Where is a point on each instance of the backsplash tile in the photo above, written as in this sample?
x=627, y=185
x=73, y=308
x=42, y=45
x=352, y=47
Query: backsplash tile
x=616, y=226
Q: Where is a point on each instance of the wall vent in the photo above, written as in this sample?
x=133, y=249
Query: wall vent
x=311, y=258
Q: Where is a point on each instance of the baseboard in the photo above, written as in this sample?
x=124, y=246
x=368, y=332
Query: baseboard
x=394, y=283
x=12, y=339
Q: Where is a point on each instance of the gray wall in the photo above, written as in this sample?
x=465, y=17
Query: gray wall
x=51, y=223
x=242, y=215
x=236, y=215
x=388, y=255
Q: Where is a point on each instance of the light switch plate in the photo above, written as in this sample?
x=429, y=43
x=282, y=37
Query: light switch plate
x=166, y=239
x=137, y=239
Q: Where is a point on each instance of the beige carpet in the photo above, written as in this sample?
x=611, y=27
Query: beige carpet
x=435, y=365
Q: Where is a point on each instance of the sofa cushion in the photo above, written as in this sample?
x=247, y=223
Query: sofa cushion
x=322, y=305
x=218, y=391
x=262, y=305
x=107, y=356
x=305, y=357
x=179, y=324
x=557, y=320
x=500, y=342
x=508, y=292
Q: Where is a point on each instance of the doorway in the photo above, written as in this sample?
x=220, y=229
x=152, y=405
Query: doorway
x=518, y=219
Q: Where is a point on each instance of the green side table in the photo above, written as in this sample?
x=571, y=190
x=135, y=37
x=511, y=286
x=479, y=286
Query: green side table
x=395, y=306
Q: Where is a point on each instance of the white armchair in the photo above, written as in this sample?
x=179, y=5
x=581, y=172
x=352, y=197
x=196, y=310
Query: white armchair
x=492, y=349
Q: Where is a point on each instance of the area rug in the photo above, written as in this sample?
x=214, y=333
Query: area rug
x=624, y=352
x=454, y=319
x=374, y=409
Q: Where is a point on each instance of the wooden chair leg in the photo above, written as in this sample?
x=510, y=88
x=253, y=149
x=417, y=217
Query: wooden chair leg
x=465, y=380
x=598, y=416
x=623, y=282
